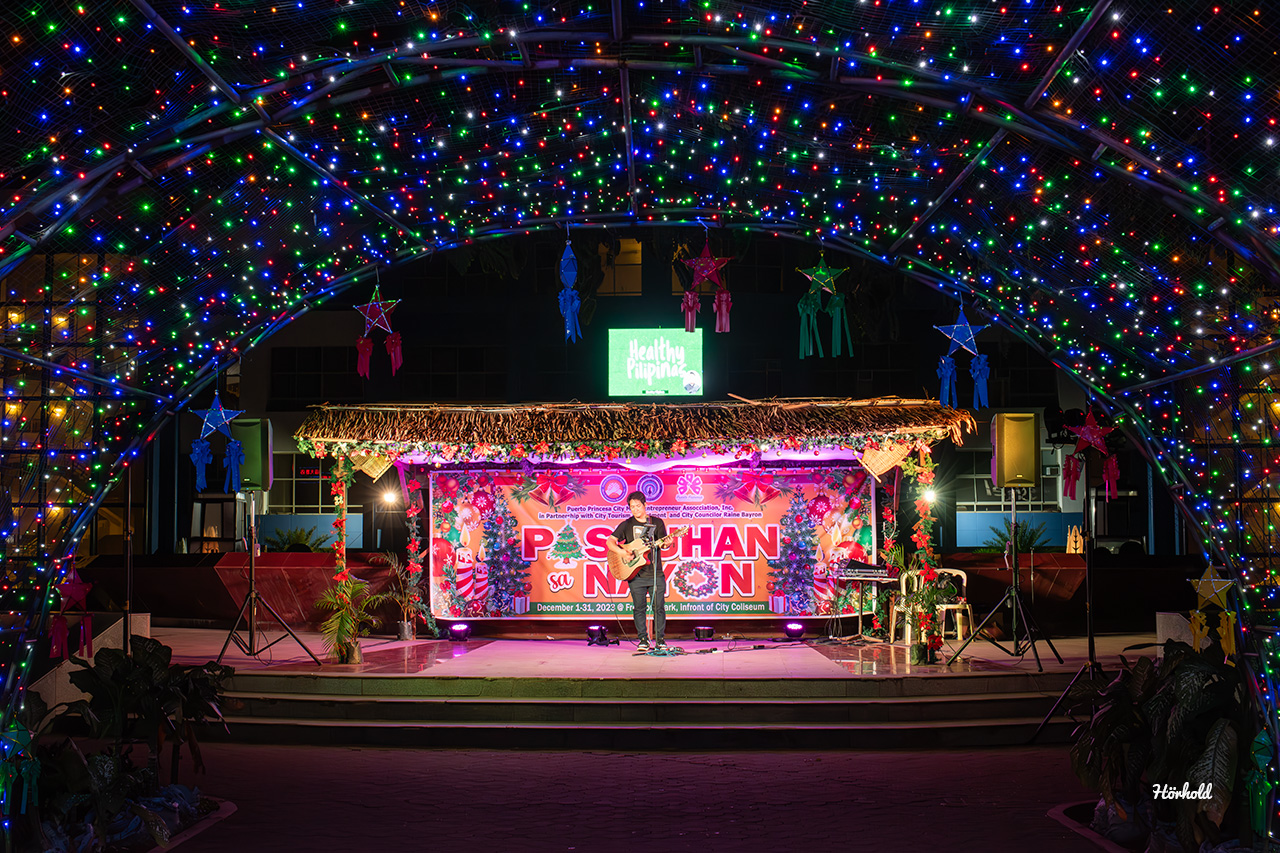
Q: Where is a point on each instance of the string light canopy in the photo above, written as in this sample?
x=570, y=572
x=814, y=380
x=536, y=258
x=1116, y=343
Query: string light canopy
x=182, y=179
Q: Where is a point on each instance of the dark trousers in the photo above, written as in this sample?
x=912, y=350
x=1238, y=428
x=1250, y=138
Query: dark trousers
x=640, y=589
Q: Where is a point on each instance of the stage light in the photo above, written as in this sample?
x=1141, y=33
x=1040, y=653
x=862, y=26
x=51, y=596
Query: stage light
x=390, y=497
x=459, y=632
x=704, y=633
x=597, y=635
x=793, y=630
x=930, y=495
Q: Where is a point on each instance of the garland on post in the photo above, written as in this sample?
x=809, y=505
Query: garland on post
x=412, y=509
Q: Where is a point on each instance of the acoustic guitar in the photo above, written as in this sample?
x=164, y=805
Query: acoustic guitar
x=626, y=568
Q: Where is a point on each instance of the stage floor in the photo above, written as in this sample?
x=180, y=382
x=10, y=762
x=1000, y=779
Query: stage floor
x=751, y=658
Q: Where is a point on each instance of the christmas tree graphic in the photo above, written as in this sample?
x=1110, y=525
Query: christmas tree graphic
x=568, y=548
x=508, y=573
x=791, y=575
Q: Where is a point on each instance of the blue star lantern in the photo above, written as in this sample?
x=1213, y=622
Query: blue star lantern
x=216, y=418
x=961, y=334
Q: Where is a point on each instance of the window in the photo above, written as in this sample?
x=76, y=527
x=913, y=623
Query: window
x=974, y=491
x=622, y=271
x=301, y=376
x=301, y=485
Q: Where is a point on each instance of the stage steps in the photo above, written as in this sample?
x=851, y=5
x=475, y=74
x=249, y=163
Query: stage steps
x=921, y=711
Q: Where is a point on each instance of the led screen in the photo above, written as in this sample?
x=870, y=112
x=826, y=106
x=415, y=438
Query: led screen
x=660, y=362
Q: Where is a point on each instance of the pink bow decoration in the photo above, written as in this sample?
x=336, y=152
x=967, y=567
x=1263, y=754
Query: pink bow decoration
x=690, y=306
x=756, y=486
x=393, y=350
x=1071, y=470
x=364, y=349
x=552, y=489
x=1111, y=477
x=722, y=303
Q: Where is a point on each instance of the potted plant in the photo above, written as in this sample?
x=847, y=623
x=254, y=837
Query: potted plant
x=353, y=606
x=405, y=589
x=1182, y=721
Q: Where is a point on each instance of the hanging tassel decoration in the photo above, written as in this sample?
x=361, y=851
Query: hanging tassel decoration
x=58, y=637
x=231, y=464
x=722, y=303
x=394, y=351
x=809, y=306
x=1071, y=471
x=839, y=322
x=364, y=349
x=980, y=371
x=201, y=456
x=570, y=304
x=947, y=373
x=570, y=301
x=86, y=635
x=1199, y=629
x=1111, y=476
x=690, y=306
x=1227, y=635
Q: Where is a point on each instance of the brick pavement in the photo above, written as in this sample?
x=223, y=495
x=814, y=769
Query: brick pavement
x=321, y=799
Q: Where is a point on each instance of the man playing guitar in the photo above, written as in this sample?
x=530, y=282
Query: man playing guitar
x=650, y=576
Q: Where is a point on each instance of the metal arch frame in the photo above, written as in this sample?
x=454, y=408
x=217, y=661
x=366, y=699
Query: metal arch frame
x=1055, y=130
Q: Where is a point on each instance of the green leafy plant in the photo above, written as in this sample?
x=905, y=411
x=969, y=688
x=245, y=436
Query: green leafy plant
x=281, y=540
x=405, y=590
x=1173, y=723
x=136, y=698
x=1031, y=537
x=353, y=607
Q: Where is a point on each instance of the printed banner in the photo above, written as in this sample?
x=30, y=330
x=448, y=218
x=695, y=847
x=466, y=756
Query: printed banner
x=506, y=543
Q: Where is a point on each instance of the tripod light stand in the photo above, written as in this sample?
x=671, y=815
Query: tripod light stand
x=251, y=601
x=1030, y=630
x=1091, y=666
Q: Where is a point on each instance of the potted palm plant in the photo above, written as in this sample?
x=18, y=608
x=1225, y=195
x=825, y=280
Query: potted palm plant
x=353, y=606
x=404, y=588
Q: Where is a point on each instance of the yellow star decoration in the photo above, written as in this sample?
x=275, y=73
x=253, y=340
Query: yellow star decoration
x=1212, y=588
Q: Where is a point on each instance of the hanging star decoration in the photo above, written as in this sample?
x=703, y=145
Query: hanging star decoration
x=216, y=418
x=961, y=334
x=823, y=276
x=73, y=590
x=706, y=268
x=1091, y=435
x=1212, y=588
x=377, y=313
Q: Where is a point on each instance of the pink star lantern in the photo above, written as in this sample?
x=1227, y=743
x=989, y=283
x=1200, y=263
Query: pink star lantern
x=74, y=590
x=1091, y=434
x=377, y=314
x=707, y=268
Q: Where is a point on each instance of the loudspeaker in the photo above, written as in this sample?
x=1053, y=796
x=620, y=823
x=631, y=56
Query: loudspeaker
x=1015, y=450
x=254, y=434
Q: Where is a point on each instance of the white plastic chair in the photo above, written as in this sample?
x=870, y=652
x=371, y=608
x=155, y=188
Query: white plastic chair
x=961, y=582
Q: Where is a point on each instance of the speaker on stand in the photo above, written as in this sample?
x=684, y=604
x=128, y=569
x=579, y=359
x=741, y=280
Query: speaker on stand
x=1015, y=464
x=256, y=475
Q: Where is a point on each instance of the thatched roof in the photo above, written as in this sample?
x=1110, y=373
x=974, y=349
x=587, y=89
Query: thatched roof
x=590, y=430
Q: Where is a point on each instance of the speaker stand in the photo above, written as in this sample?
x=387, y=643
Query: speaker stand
x=1018, y=608
x=251, y=601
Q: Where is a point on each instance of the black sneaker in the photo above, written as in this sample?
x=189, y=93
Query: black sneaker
x=643, y=648
x=661, y=647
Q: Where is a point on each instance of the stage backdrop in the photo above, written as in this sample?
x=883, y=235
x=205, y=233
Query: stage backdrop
x=506, y=543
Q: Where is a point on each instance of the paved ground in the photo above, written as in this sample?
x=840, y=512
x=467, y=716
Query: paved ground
x=321, y=799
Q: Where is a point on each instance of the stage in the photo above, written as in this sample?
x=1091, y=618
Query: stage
x=564, y=693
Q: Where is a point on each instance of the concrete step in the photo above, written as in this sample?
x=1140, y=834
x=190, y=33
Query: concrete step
x=634, y=710
x=1007, y=731
x=376, y=685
